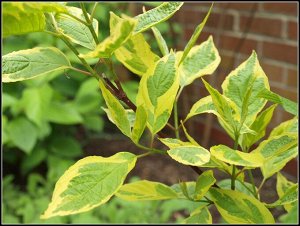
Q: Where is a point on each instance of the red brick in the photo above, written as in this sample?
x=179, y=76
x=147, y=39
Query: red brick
x=220, y=19
x=226, y=64
x=281, y=52
x=242, y=6
x=287, y=93
x=231, y=43
x=292, y=79
x=260, y=25
x=196, y=17
x=292, y=30
x=280, y=7
x=273, y=72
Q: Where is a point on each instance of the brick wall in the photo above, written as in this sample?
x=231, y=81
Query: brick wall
x=238, y=28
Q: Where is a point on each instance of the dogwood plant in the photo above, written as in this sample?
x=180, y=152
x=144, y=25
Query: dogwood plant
x=240, y=109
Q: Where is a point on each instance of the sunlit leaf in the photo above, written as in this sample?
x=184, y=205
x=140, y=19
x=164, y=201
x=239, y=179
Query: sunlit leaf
x=27, y=64
x=288, y=105
x=146, y=190
x=289, y=196
x=248, y=75
x=236, y=157
x=203, y=183
x=89, y=183
x=120, y=31
x=200, y=215
x=156, y=15
x=75, y=30
x=195, y=36
x=24, y=17
x=236, y=207
x=116, y=111
x=136, y=55
x=202, y=60
x=157, y=91
x=190, y=155
x=282, y=186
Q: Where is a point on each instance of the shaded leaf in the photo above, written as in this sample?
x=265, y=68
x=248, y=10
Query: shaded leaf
x=22, y=133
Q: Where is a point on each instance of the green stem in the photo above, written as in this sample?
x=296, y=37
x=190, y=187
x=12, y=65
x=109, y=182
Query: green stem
x=176, y=113
x=145, y=154
x=152, y=150
x=260, y=186
x=233, y=166
x=89, y=23
x=252, y=183
x=87, y=66
x=81, y=71
x=93, y=11
x=76, y=18
x=176, y=120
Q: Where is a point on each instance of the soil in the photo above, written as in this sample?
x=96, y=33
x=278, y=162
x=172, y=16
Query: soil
x=162, y=168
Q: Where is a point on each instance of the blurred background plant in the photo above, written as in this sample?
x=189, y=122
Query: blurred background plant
x=48, y=121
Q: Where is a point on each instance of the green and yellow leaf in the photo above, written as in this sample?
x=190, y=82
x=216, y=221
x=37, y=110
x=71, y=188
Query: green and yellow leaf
x=275, y=163
x=276, y=145
x=74, y=30
x=290, y=196
x=201, y=60
x=195, y=36
x=284, y=127
x=30, y=63
x=136, y=55
x=228, y=113
x=173, y=143
x=157, y=15
x=244, y=187
x=190, y=155
x=282, y=186
x=288, y=105
x=199, y=215
x=157, y=91
x=89, y=183
x=237, y=207
x=120, y=31
x=259, y=126
x=235, y=157
x=146, y=190
x=24, y=17
x=116, y=112
x=139, y=123
x=249, y=75
x=204, y=105
x=203, y=184
x=162, y=45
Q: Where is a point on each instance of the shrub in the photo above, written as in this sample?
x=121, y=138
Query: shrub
x=240, y=110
